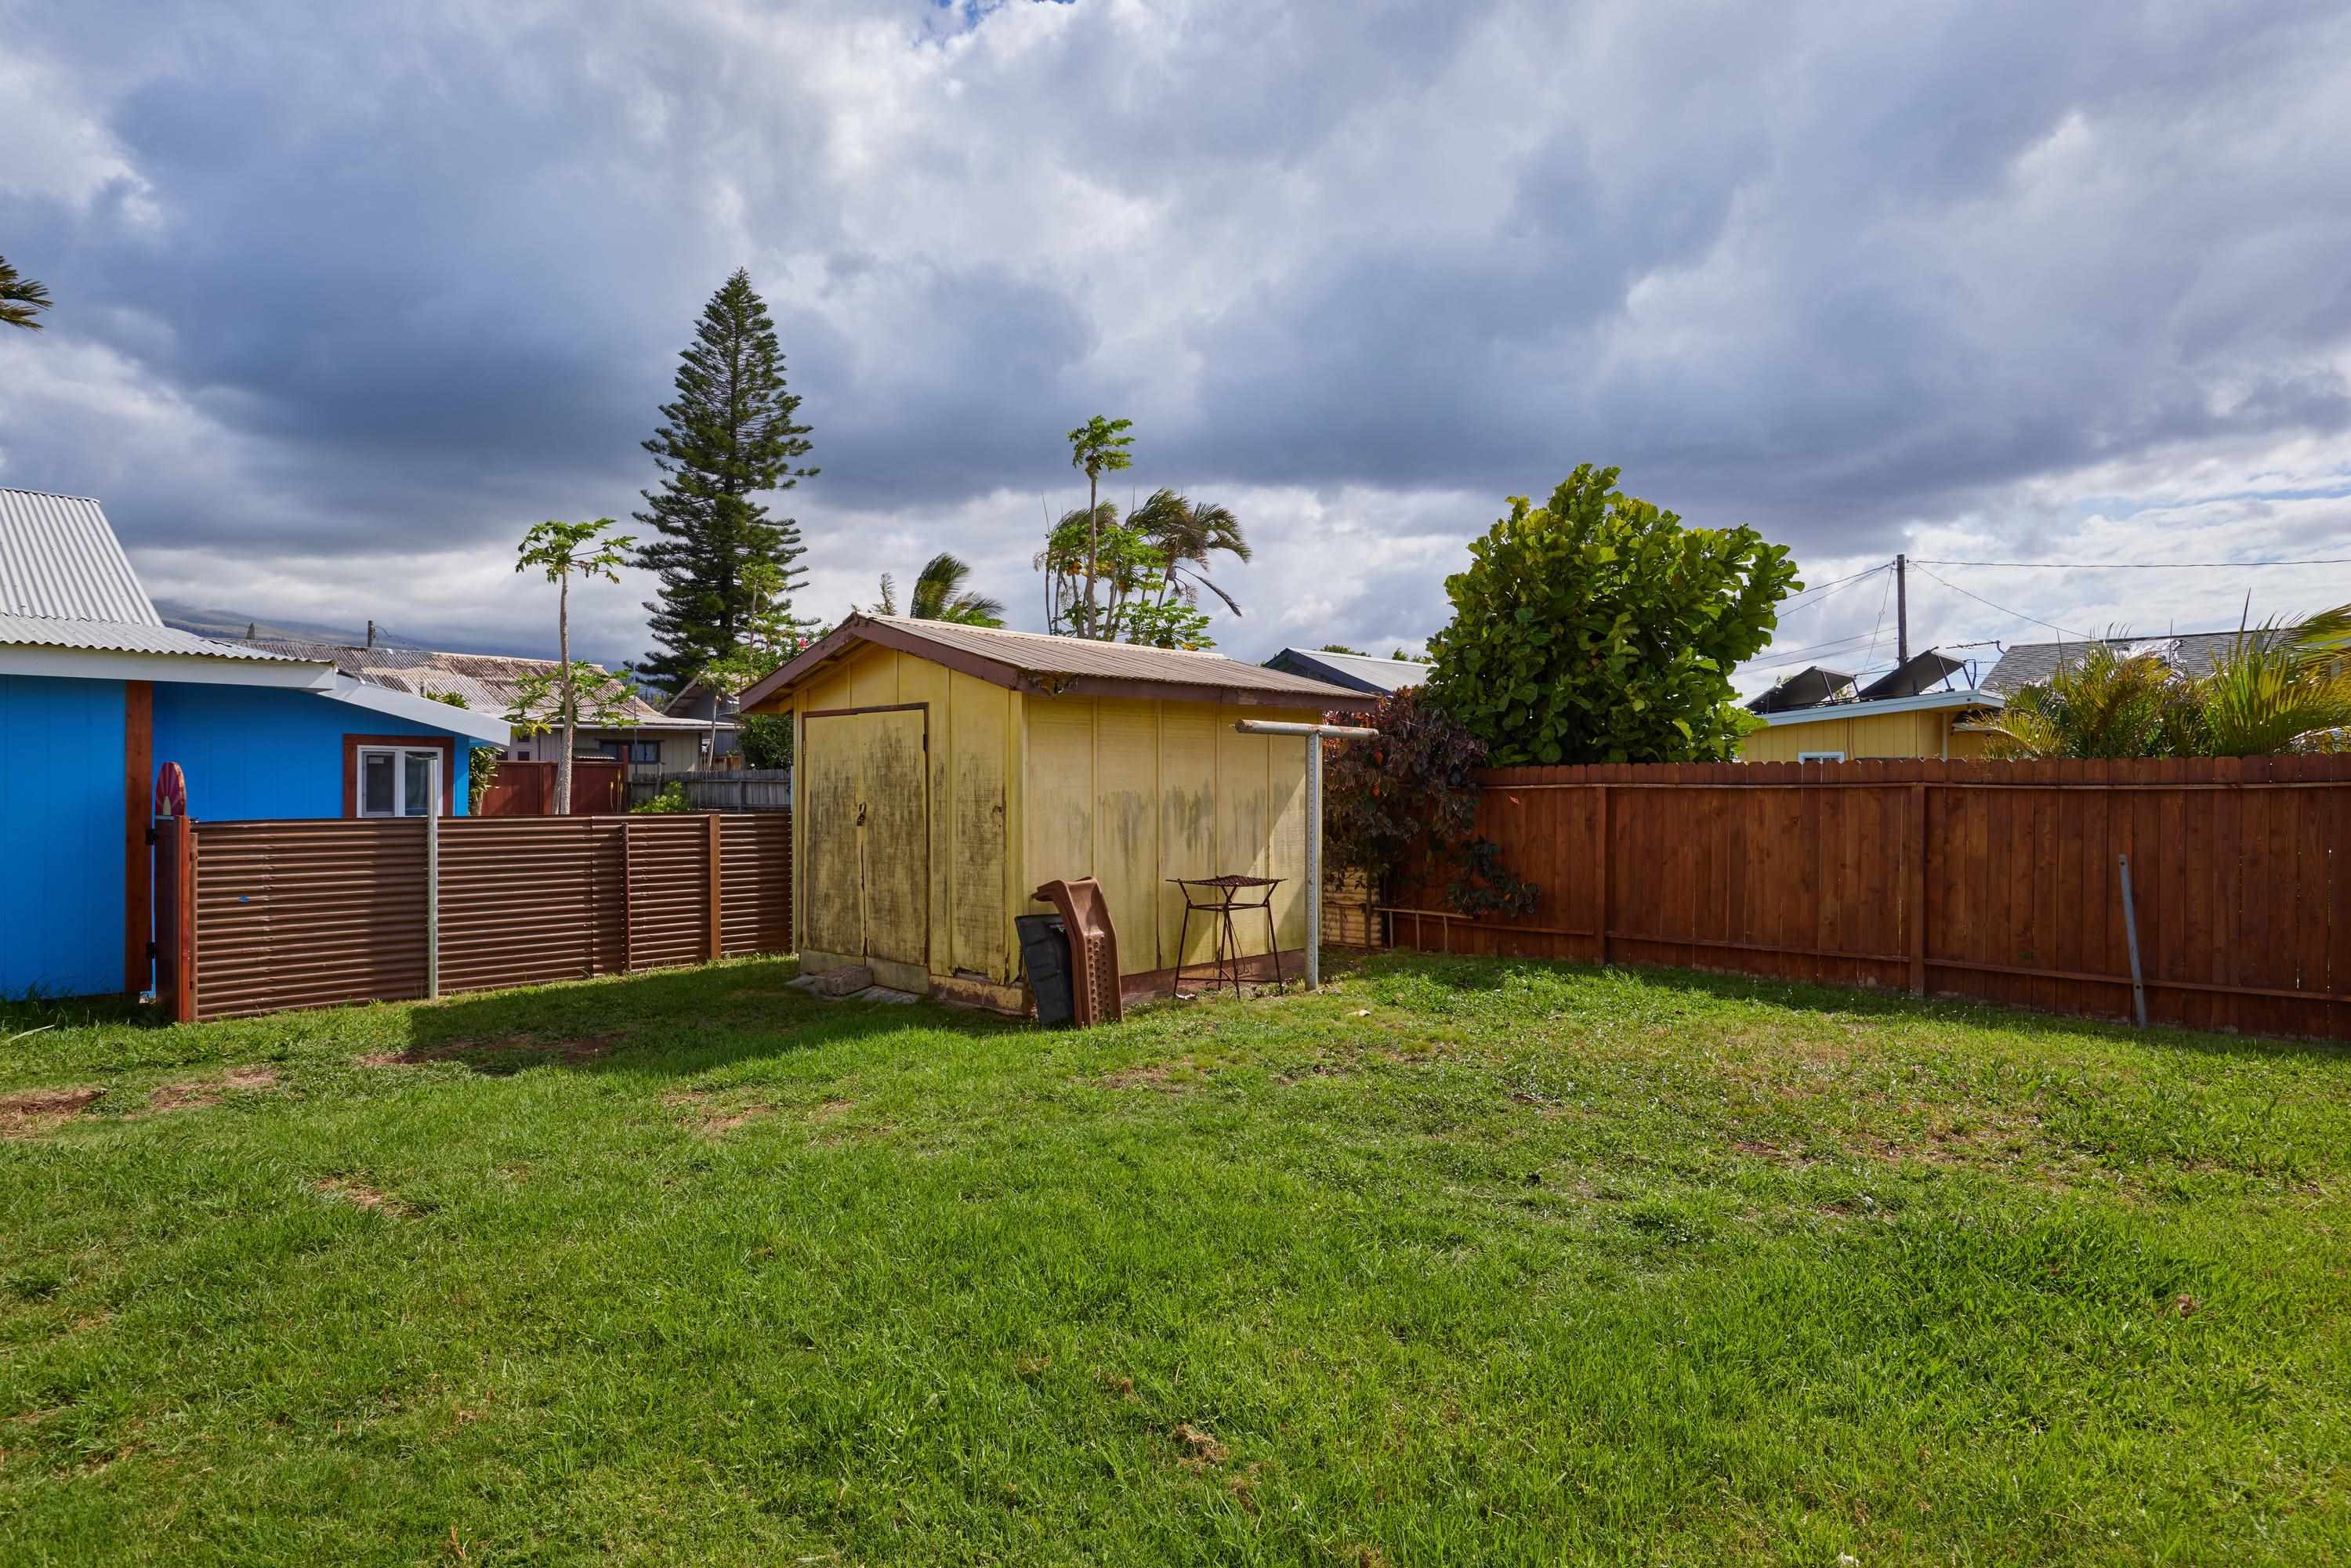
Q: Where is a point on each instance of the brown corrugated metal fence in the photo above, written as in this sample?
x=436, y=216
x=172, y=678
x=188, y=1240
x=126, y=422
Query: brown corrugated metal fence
x=309, y=914
x=1995, y=880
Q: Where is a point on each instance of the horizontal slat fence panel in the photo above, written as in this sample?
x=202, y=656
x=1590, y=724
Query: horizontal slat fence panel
x=1994, y=880
x=311, y=914
x=526, y=900
x=307, y=914
x=755, y=858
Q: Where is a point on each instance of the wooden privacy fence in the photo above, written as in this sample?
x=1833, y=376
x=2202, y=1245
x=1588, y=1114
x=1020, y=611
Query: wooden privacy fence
x=258, y=916
x=1997, y=879
x=527, y=789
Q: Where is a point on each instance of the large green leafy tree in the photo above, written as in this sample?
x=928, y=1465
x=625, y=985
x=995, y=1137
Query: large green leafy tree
x=730, y=435
x=1597, y=628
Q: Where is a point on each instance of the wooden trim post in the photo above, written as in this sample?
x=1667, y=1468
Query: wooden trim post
x=1917, y=902
x=184, y=992
x=717, y=892
x=1601, y=816
x=138, y=827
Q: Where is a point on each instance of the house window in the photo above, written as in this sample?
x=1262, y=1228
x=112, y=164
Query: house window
x=631, y=751
x=1820, y=756
x=398, y=782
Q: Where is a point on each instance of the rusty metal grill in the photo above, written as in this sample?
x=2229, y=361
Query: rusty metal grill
x=312, y=914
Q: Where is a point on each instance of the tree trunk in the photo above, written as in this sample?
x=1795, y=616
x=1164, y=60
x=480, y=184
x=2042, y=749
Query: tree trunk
x=1094, y=545
x=563, y=686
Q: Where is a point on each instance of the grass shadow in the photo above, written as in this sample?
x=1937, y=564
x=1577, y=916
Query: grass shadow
x=677, y=1021
x=1470, y=974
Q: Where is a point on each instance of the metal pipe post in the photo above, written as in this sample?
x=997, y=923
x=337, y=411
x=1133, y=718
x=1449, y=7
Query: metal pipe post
x=1313, y=734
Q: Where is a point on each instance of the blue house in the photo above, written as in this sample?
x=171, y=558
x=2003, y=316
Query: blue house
x=96, y=693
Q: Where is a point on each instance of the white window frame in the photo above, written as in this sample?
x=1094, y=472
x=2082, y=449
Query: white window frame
x=399, y=755
x=1820, y=756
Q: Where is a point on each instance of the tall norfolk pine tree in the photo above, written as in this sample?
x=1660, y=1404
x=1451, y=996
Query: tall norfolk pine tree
x=730, y=436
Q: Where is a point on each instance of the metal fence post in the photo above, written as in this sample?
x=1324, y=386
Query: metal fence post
x=433, y=906
x=2130, y=930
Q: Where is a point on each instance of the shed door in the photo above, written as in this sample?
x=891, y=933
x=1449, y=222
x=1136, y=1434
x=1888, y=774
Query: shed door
x=869, y=842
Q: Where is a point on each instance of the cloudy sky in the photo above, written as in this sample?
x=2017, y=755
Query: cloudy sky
x=350, y=296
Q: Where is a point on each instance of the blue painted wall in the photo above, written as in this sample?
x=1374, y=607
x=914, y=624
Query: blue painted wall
x=255, y=751
x=61, y=836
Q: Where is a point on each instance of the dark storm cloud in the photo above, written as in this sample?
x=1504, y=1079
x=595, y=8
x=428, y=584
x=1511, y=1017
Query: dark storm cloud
x=351, y=279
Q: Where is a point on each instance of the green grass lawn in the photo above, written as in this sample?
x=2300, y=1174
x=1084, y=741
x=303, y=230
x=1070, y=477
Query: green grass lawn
x=1459, y=1262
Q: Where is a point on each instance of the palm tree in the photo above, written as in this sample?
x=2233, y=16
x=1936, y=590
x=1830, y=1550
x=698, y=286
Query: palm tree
x=1188, y=532
x=2277, y=688
x=21, y=298
x=939, y=595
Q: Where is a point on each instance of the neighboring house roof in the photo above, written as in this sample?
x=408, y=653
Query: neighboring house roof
x=1032, y=661
x=1359, y=672
x=1825, y=711
x=2030, y=663
x=488, y=682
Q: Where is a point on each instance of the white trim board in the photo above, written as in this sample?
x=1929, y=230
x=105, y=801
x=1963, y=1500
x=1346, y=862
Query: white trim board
x=194, y=669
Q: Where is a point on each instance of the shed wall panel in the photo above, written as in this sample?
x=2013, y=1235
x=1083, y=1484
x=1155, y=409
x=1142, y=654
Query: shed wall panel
x=1126, y=824
x=1188, y=822
x=977, y=915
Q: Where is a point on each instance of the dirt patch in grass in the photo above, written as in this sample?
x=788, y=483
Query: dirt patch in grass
x=197, y=1092
x=31, y=1111
x=1200, y=1447
x=707, y=1116
x=1169, y=1077
x=506, y=1054
x=359, y=1195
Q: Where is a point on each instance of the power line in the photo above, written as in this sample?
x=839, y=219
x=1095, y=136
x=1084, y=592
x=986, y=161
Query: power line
x=2129, y=565
x=2003, y=609
x=1825, y=586
x=1874, y=631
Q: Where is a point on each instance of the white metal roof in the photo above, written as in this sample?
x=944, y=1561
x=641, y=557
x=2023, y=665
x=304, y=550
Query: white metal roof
x=125, y=637
x=59, y=558
x=484, y=727
x=1826, y=711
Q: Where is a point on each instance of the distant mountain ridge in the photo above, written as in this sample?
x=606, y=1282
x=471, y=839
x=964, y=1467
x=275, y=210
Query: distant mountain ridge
x=236, y=623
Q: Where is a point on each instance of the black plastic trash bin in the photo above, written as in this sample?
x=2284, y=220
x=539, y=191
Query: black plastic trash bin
x=1045, y=955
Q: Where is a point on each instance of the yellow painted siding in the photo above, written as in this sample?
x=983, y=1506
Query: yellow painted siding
x=1126, y=824
x=1131, y=793
x=1917, y=734
x=1187, y=820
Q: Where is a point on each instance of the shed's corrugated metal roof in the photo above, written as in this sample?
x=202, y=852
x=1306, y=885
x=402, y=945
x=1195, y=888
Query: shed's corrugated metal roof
x=1035, y=652
x=2029, y=663
x=122, y=637
x=60, y=560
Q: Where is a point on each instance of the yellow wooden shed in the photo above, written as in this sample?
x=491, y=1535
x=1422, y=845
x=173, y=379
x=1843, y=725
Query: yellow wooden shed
x=943, y=773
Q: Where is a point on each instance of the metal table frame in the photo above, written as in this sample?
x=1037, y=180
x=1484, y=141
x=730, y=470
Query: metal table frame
x=1221, y=905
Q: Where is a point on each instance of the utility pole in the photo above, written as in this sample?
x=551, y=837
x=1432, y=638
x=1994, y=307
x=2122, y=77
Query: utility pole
x=1901, y=611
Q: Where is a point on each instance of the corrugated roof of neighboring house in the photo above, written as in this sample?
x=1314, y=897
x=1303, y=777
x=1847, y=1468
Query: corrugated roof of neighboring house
x=1032, y=661
x=1361, y=671
x=59, y=560
x=488, y=682
x=2029, y=663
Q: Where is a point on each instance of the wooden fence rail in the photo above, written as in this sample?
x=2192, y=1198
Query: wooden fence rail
x=260, y=916
x=1995, y=880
